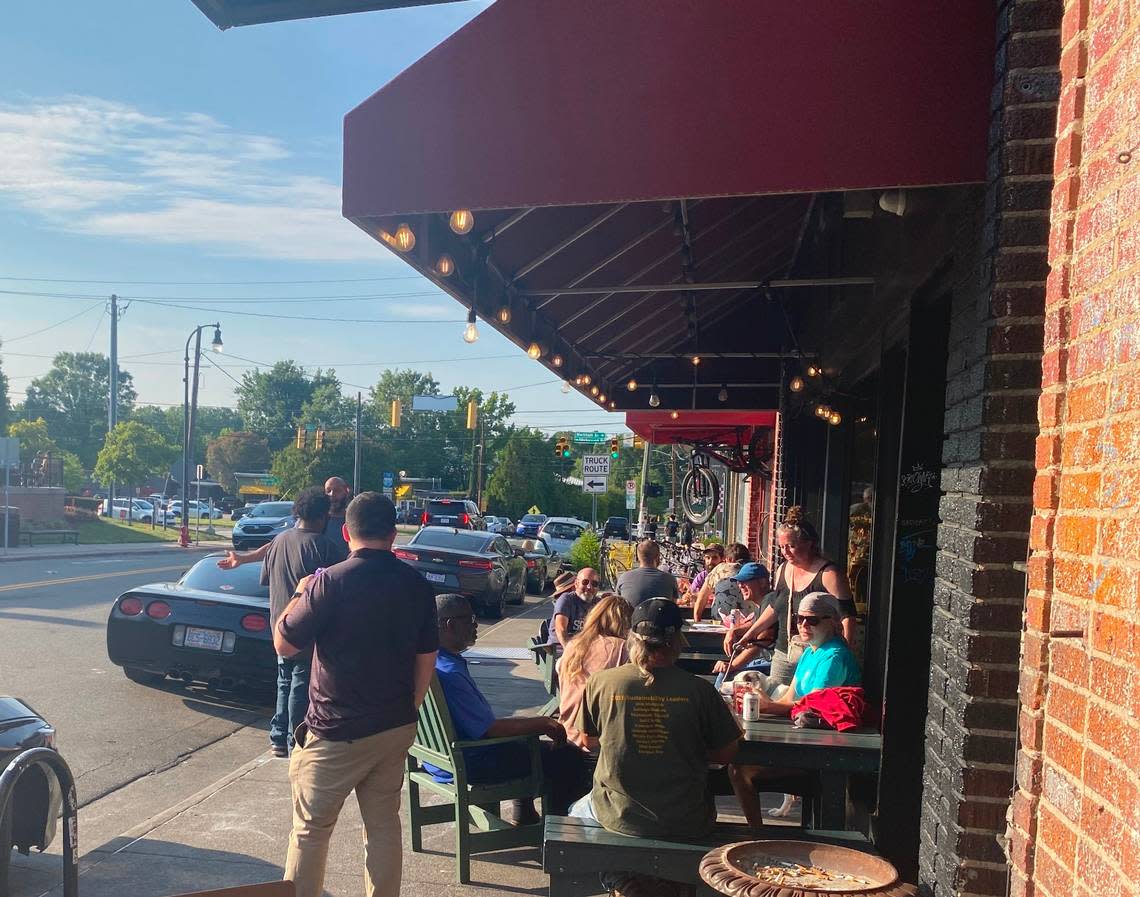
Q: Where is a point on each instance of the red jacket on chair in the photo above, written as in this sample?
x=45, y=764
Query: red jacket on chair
x=841, y=707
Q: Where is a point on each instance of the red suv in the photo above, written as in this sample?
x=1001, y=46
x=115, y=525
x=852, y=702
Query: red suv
x=456, y=512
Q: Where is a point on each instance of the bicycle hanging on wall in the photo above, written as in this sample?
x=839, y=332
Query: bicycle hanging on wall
x=700, y=488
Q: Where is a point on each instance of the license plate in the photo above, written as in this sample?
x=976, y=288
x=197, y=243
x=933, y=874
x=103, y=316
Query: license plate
x=208, y=639
x=447, y=520
x=431, y=577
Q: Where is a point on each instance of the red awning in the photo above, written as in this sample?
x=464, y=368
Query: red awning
x=570, y=102
x=709, y=427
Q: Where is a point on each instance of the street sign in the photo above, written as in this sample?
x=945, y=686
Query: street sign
x=591, y=437
x=389, y=478
x=595, y=485
x=9, y=451
x=595, y=466
x=534, y=510
x=631, y=487
x=630, y=501
x=199, y=471
x=270, y=481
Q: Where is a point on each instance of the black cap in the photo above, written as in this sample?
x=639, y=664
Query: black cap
x=657, y=620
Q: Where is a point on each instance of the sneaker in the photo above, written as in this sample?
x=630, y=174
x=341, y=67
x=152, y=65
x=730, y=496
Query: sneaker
x=279, y=750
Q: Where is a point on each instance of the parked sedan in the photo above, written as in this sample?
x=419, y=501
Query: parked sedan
x=30, y=819
x=211, y=626
x=480, y=565
x=262, y=523
x=530, y=524
x=562, y=532
x=502, y=525
x=542, y=564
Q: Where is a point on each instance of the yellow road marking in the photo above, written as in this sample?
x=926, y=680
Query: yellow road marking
x=41, y=583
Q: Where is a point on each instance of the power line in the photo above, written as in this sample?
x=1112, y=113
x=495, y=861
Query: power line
x=340, y=297
x=12, y=339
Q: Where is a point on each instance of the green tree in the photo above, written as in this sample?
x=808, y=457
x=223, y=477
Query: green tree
x=526, y=474
x=236, y=452
x=209, y=423
x=131, y=453
x=72, y=399
x=274, y=402
x=34, y=440
x=5, y=406
x=298, y=469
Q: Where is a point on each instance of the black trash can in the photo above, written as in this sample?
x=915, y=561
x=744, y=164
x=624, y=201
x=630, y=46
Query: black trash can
x=13, y=526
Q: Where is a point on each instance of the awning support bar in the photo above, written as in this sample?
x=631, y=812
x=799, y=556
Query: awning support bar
x=569, y=241
x=705, y=287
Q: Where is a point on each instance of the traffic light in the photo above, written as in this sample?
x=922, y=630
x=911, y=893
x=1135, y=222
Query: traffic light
x=562, y=447
x=638, y=442
x=472, y=414
x=615, y=447
x=396, y=411
x=300, y=437
x=319, y=443
x=558, y=448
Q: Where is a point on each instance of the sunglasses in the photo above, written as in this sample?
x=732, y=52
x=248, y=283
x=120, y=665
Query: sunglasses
x=808, y=620
x=590, y=582
x=466, y=618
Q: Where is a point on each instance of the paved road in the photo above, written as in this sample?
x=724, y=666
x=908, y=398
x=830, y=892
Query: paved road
x=53, y=654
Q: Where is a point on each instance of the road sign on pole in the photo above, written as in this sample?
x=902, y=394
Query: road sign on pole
x=631, y=487
x=595, y=485
x=595, y=466
x=630, y=501
x=590, y=437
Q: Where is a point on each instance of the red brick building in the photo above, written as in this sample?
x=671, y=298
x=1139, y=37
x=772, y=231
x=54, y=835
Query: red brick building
x=938, y=206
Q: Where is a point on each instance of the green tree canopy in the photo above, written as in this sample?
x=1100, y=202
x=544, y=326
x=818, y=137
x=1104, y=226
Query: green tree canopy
x=34, y=440
x=274, y=402
x=209, y=424
x=298, y=469
x=526, y=474
x=131, y=453
x=72, y=399
x=240, y=452
x=5, y=405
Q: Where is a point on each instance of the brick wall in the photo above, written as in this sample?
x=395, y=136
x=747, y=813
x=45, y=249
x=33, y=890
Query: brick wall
x=993, y=386
x=39, y=504
x=1073, y=822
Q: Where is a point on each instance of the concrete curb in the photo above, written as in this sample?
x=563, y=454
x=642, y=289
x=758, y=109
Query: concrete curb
x=96, y=551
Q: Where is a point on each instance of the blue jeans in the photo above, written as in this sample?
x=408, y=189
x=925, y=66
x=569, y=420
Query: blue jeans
x=292, y=699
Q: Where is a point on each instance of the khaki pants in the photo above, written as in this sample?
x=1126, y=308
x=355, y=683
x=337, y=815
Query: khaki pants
x=322, y=774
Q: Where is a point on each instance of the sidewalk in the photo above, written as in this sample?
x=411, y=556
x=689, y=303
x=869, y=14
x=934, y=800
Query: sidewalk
x=235, y=830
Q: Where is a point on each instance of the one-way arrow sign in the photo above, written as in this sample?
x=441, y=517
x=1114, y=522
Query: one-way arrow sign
x=595, y=485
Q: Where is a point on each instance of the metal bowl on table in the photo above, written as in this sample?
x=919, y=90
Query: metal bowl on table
x=791, y=868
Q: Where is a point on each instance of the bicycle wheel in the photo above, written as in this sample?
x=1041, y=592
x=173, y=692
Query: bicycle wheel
x=700, y=495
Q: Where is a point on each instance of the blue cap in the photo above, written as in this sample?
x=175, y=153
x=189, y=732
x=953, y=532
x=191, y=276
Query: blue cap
x=750, y=571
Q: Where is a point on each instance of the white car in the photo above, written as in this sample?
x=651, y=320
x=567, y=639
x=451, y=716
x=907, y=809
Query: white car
x=202, y=511
x=140, y=510
x=562, y=532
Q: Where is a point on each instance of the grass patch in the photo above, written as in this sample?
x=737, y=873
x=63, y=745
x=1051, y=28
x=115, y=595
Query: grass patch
x=114, y=532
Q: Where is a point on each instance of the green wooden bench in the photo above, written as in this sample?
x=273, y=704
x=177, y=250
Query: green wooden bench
x=470, y=805
x=576, y=851
x=546, y=657
x=64, y=535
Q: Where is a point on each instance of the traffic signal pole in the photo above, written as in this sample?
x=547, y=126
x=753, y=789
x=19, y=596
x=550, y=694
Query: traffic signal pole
x=356, y=451
x=644, y=480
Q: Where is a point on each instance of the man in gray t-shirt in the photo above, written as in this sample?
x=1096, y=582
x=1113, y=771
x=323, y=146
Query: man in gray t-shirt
x=646, y=581
x=293, y=555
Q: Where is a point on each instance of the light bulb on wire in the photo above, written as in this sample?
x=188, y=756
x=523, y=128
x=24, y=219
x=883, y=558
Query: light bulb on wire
x=405, y=240
x=654, y=399
x=796, y=384
x=445, y=265
x=534, y=351
x=674, y=414
x=722, y=396
x=814, y=370
x=461, y=221
x=631, y=385
x=565, y=387
x=585, y=379
x=470, y=332
x=696, y=359
x=504, y=314
x=556, y=360
x=835, y=418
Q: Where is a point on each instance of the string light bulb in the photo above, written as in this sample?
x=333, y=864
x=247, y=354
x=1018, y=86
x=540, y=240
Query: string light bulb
x=594, y=390
x=556, y=361
x=835, y=418
x=585, y=379
x=534, y=350
x=445, y=265
x=631, y=385
x=405, y=239
x=814, y=370
x=504, y=314
x=674, y=415
x=602, y=398
x=578, y=380
x=470, y=332
x=654, y=399
x=796, y=384
x=722, y=396
x=461, y=221
x=696, y=359
x=822, y=411
x=565, y=387
x=613, y=404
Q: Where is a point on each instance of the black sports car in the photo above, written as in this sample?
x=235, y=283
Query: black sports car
x=30, y=819
x=211, y=626
x=478, y=564
x=542, y=563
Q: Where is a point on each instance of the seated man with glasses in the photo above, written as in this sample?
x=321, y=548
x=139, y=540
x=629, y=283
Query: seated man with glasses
x=471, y=714
x=571, y=608
x=827, y=662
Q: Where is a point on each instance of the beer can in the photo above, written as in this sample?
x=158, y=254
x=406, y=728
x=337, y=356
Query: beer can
x=751, y=707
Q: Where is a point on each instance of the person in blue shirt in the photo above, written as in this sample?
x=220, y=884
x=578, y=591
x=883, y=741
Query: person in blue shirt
x=827, y=662
x=563, y=765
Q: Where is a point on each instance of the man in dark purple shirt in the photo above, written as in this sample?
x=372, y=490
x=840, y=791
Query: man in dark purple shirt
x=371, y=623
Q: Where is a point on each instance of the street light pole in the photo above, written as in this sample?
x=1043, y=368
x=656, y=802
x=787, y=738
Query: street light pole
x=189, y=408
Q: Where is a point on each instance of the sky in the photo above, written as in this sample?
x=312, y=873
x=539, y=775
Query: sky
x=196, y=174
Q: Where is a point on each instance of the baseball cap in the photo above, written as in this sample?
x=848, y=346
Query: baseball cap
x=751, y=570
x=819, y=604
x=657, y=620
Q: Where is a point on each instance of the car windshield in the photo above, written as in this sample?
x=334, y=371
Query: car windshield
x=207, y=576
x=447, y=507
x=272, y=509
x=442, y=538
x=562, y=530
x=533, y=518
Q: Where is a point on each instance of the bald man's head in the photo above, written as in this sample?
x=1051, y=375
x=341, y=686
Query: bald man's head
x=338, y=492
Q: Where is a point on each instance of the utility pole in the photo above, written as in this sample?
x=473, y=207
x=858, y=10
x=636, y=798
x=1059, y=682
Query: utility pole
x=356, y=451
x=644, y=480
x=482, y=449
x=113, y=395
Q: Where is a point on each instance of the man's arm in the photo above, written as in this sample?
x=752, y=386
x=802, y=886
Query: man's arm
x=234, y=559
x=561, y=628
x=527, y=725
x=837, y=585
x=281, y=645
x=424, y=667
x=759, y=625
x=725, y=754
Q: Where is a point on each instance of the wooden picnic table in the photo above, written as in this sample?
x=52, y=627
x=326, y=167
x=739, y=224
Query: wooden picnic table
x=833, y=756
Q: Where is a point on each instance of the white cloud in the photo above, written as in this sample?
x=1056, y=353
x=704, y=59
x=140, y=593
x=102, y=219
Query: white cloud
x=94, y=166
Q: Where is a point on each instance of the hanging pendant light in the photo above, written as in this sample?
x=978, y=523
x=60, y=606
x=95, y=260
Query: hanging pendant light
x=631, y=385
x=461, y=221
x=470, y=332
x=504, y=313
x=445, y=265
x=565, y=387
x=796, y=384
x=556, y=360
x=405, y=239
x=534, y=350
x=722, y=396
